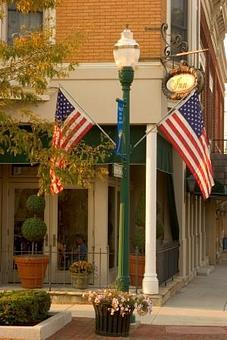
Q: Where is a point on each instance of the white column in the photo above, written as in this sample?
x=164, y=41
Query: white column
x=200, y=233
x=196, y=234
x=183, y=251
x=211, y=230
x=189, y=243
x=179, y=189
x=150, y=281
x=192, y=235
x=204, y=236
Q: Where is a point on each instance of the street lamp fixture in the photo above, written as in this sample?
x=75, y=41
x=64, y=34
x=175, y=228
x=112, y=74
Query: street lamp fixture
x=126, y=50
x=126, y=55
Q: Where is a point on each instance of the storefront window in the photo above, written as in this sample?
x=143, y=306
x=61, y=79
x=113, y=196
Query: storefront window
x=72, y=226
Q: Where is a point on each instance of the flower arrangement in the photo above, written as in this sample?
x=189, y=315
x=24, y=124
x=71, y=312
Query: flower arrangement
x=123, y=303
x=81, y=267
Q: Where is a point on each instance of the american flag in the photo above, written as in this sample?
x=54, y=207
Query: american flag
x=184, y=128
x=71, y=125
x=73, y=122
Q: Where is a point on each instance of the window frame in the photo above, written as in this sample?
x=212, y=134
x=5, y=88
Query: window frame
x=12, y=9
x=49, y=22
x=182, y=28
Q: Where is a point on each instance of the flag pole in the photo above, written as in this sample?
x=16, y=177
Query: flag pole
x=100, y=128
x=160, y=121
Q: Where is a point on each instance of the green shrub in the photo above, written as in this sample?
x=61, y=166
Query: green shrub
x=34, y=229
x=23, y=307
x=35, y=204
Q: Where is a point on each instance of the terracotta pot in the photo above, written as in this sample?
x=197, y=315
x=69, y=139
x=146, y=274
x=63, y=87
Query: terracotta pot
x=136, y=269
x=31, y=270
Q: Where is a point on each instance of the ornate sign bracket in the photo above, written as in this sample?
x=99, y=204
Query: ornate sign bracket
x=180, y=78
x=176, y=44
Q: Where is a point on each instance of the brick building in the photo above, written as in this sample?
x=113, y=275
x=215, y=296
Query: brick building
x=95, y=86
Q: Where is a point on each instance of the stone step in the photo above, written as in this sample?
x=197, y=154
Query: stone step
x=66, y=295
x=76, y=297
x=206, y=270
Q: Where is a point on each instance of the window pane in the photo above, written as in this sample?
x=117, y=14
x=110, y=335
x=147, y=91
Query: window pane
x=72, y=226
x=179, y=15
x=19, y=22
x=21, y=245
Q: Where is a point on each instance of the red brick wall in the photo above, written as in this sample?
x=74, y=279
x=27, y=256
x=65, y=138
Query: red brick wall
x=213, y=101
x=101, y=22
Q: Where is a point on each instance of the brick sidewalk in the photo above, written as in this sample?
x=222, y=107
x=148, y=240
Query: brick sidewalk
x=84, y=328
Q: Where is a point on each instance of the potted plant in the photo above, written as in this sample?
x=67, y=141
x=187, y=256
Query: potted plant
x=32, y=267
x=114, y=308
x=80, y=271
x=137, y=257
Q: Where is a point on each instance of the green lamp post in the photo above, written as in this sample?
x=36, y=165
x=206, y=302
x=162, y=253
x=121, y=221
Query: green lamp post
x=126, y=55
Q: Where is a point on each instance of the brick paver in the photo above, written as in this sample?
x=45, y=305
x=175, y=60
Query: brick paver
x=84, y=328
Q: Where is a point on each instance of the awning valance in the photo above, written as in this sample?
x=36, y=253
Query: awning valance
x=138, y=155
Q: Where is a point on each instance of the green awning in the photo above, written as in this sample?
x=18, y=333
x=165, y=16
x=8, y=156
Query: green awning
x=138, y=156
x=94, y=137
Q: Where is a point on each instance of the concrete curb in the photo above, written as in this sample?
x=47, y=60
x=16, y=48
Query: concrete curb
x=41, y=331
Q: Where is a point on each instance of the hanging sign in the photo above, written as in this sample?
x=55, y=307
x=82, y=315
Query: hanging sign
x=181, y=80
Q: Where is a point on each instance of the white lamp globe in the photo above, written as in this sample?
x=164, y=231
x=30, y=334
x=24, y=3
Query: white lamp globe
x=126, y=51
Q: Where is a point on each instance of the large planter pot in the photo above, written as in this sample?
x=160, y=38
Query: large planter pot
x=79, y=280
x=31, y=270
x=136, y=268
x=111, y=325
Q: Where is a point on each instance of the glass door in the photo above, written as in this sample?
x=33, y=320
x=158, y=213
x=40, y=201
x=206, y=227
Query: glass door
x=66, y=216
x=69, y=236
x=17, y=212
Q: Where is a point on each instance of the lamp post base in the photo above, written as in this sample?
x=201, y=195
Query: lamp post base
x=150, y=284
x=123, y=283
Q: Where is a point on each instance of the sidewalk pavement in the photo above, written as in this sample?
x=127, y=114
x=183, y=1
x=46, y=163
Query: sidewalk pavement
x=198, y=311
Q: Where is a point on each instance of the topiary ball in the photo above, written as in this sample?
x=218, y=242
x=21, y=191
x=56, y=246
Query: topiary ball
x=35, y=204
x=34, y=229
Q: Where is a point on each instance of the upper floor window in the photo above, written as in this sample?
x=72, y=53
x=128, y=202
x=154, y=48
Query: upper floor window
x=19, y=22
x=179, y=21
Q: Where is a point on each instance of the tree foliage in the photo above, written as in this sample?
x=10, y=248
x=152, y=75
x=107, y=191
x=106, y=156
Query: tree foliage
x=26, y=68
x=34, y=141
x=29, y=63
x=26, y=6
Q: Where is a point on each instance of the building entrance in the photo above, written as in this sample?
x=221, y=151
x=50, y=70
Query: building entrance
x=66, y=216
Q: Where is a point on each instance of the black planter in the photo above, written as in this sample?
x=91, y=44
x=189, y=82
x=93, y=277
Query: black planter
x=111, y=325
